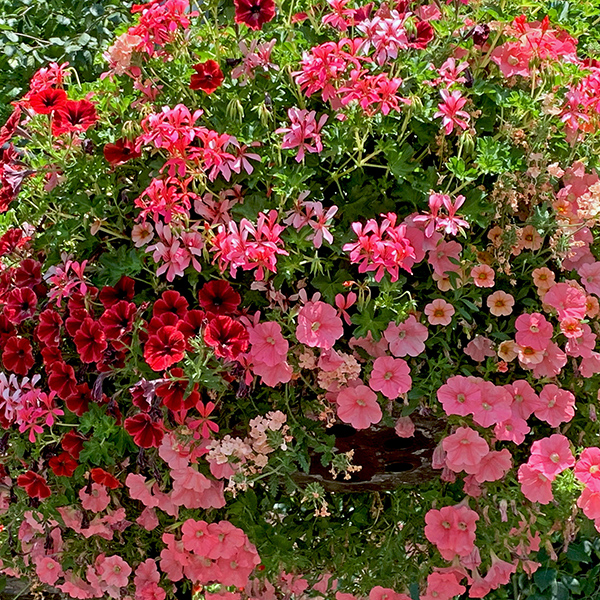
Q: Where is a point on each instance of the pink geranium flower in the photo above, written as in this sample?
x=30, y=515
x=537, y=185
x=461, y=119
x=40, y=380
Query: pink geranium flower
x=464, y=450
x=535, y=486
x=318, y=325
x=358, y=406
x=439, y=312
x=407, y=338
x=551, y=455
x=459, y=395
x=304, y=132
x=390, y=376
x=587, y=469
x=556, y=406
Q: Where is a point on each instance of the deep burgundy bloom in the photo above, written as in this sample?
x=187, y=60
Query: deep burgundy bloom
x=123, y=290
x=63, y=465
x=208, y=77
x=218, y=297
x=121, y=151
x=7, y=330
x=146, y=433
x=74, y=116
x=173, y=392
x=51, y=355
x=254, y=13
x=105, y=478
x=79, y=402
x=47, y=100
x=165, y=348
x=72, y=443
x=90, y=341
x=17, y=356
x=48, y=328
x=191, y=325
x=20, y=305
x=35, y=485
x=423, y=35
x=62, y=380
x=227, y=337
x=117, y=321
x=29, y=273
x=170, y=302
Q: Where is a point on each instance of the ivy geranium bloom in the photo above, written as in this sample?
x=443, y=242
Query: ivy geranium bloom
x=450, y=111
x=304, y=130
x=254, y=13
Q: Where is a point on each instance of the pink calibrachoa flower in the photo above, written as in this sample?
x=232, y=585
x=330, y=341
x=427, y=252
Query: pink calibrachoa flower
x=450, y=111
x=551, y=455
x=535, y=486
x=390, y=376
x=483, y=276
x=303, y=132
x=465, y=449
x=459, y=395
x=556, y=405
x=533, y=330
x=318, y=325
x=439, y=312
x=567, y=300
x=358, y=406
x=452, y=530
x=500, y=303
x=406, y=338
x=587, y=468
x=96, y=499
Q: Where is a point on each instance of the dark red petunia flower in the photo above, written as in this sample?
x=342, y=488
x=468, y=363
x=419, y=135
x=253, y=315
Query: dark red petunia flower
x=9, y=128
x=173, y=392
x=63, y=465
x=51, y=355
x=62, y=380
x=48, y=100
x=105, y=478
x=112, y=359
x=79, y=402
x=7, y=330
x=29, y=273
x=422, y=36
x=48, y=328
x=218, y=297
x=20, y=305
x=121, y=151
x=227, y=337
x=90, y=341
x=12, y=240
x=35, y=485
x=146, y=433
x=170, y=302
x=17, y=356
x=191, y=325
x=165, y=348
x=254, y=13
x=165, y=320
x=74, y=116
x=208, y=77
x=123, y=290
x=117, y=321
x=72, y=443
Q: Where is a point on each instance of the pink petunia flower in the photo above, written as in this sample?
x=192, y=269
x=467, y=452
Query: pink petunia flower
x=480, y=348
x=318, y=325
x=358, y=406
x=535, y=486
x=268, y=345
x=459, y=395
x=493, y=466
x=494, y=406
x=48, y=570
x=439, y=312
x=406, y=338
x=556, y=405
x=113, y=571
x=551, y=455
x=525, y=400
x=390, y=376
x=589, y=502
x=96, y=499
x=533, y=330
x=567, y=300
x=587, y=468
x=442, y=586
x=465, y=449
x=452, y=530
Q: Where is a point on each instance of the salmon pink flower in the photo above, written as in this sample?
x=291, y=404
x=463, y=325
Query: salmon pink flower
x=358, y=406
x=406, y=338
x=493, y=466
x=439, y=312
x=556, y=406
x=500, y=303
x=48, y=570
x=551, y=455
x=459, y=395
x=442, y=586
x=268, y=345
x=452, y=530
x=533, y=330
x=567, y=300
x=113, y=571
x=535, y=486
x=483, y=276
x=480, y=348
x=96, y=499
x=465, y=449
x=390, y=376
x=525, y=400
x=381, y=593
x=589, y=502
x=587, y=469
x=318, y=325
x=543, y=278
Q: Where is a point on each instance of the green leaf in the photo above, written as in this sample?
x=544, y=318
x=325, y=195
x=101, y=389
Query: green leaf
x=544, y=578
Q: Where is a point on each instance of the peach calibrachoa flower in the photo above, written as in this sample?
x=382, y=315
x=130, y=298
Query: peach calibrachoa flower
x=358, y=406
x=500, y=303
x=483, y=276
x=543, y=278
x=439, y=312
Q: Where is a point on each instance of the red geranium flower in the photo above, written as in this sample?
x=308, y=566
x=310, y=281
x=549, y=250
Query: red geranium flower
x=48, y=328
x=17, y=356
x=72, y=443
x=62, y=380
x=170, y=302
x=218, y=297
x=146, y=433
x=35, y=485
x=74, y=115
x=104, y=478
x=20, y=305
x=164, y=349
x=123, y=290
x=227, y=337
x=90, y=341
x=79, y=402
x=254, y=13
x=208, y=77
x=63, y=465
x=45, y=101
x=121, y=151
